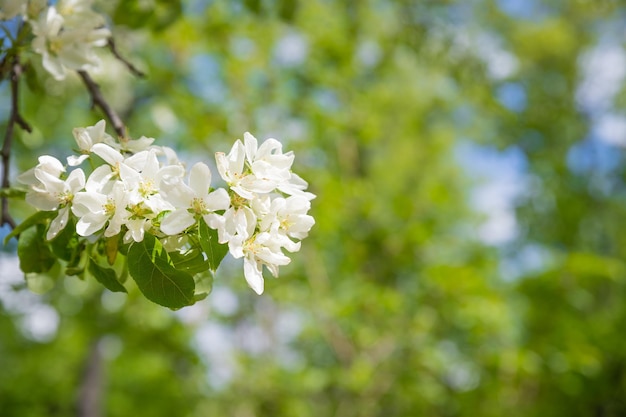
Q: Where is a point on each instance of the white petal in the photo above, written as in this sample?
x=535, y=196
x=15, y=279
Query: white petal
x=276, y=258
x=244, y=192
x=50, y=165
x=74, y=160
x=76, y=180
x=251, y=145
x=90, y=224
x=99, y=178
x=136, y=229
x=42, y=200
x=253, y=274
x=176, y=222
x=200, y=179
x=58, y=224
x=86, y=202
x=110, y=155
x=217, y=200
x=28, y=177
x=267, y=148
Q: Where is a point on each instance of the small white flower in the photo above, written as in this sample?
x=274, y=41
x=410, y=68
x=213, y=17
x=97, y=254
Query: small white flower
x=240, y=179
x=49, y=192
x=96, y=210
x=48, y=164
x=118, y=166
x=67, y=47
x=267, y=162
x=193, y=200
x=288, y=218
x=85, y=138
x=258, y=251
x=145, y=198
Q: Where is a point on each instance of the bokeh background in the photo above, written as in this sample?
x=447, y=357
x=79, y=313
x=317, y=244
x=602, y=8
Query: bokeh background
x=469, y=252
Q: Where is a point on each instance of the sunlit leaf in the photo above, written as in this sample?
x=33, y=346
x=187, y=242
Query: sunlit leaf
x=190, y=261
x=153, y=271
x=214, y=251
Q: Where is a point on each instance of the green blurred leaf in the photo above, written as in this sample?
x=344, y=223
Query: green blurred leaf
x=33, y=252
x=12, y=193
x=157, y=278
x=287, y=9
x=158, y=16
x=37, y=218
x=105, y=276
x=214, y=251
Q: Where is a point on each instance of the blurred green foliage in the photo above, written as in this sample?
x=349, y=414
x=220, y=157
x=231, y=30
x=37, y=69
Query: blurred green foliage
x=400, y=309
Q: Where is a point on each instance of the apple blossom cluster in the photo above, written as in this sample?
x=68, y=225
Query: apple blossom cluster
x=131, y=188
x=65, y=34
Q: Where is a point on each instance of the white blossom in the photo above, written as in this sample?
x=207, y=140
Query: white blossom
x=258, y=251
x=237, y=175
x=67, y=43
x=96, y=210
x=138, y=188
x=49, y=192
x=193, y=200
x=85, y=138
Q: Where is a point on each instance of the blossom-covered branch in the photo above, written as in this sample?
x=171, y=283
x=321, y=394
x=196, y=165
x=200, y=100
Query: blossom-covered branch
x=139, y=194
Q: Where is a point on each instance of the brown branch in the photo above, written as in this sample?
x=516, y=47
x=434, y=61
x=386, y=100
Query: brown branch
x=129, y=65
x=14, y=118
x=97, y=99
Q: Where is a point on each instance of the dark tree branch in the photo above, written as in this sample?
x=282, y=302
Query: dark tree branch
x=14, y=118
x=129, y=65
x=98, y=100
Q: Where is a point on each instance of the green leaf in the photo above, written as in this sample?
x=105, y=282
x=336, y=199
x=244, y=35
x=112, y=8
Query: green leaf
x=134, y=14
x=33, y=252
x=74, y=271
x=152, y=269
x=36, y=218
x=214, y=251
x=287, y=9
x=204, y=283
x=190, y=261
x=105, y=276
x=65, y=243
x=12, y=193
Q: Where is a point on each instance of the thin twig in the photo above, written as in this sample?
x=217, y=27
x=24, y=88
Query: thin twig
x=14, y=118
x=129, y=65
x=97, y=99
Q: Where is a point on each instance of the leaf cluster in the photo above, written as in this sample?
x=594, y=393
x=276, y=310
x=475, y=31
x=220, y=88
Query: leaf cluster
x=172, y=279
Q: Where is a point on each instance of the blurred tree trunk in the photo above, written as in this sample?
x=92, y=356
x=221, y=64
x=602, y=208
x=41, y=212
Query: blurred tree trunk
x=90, y=391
